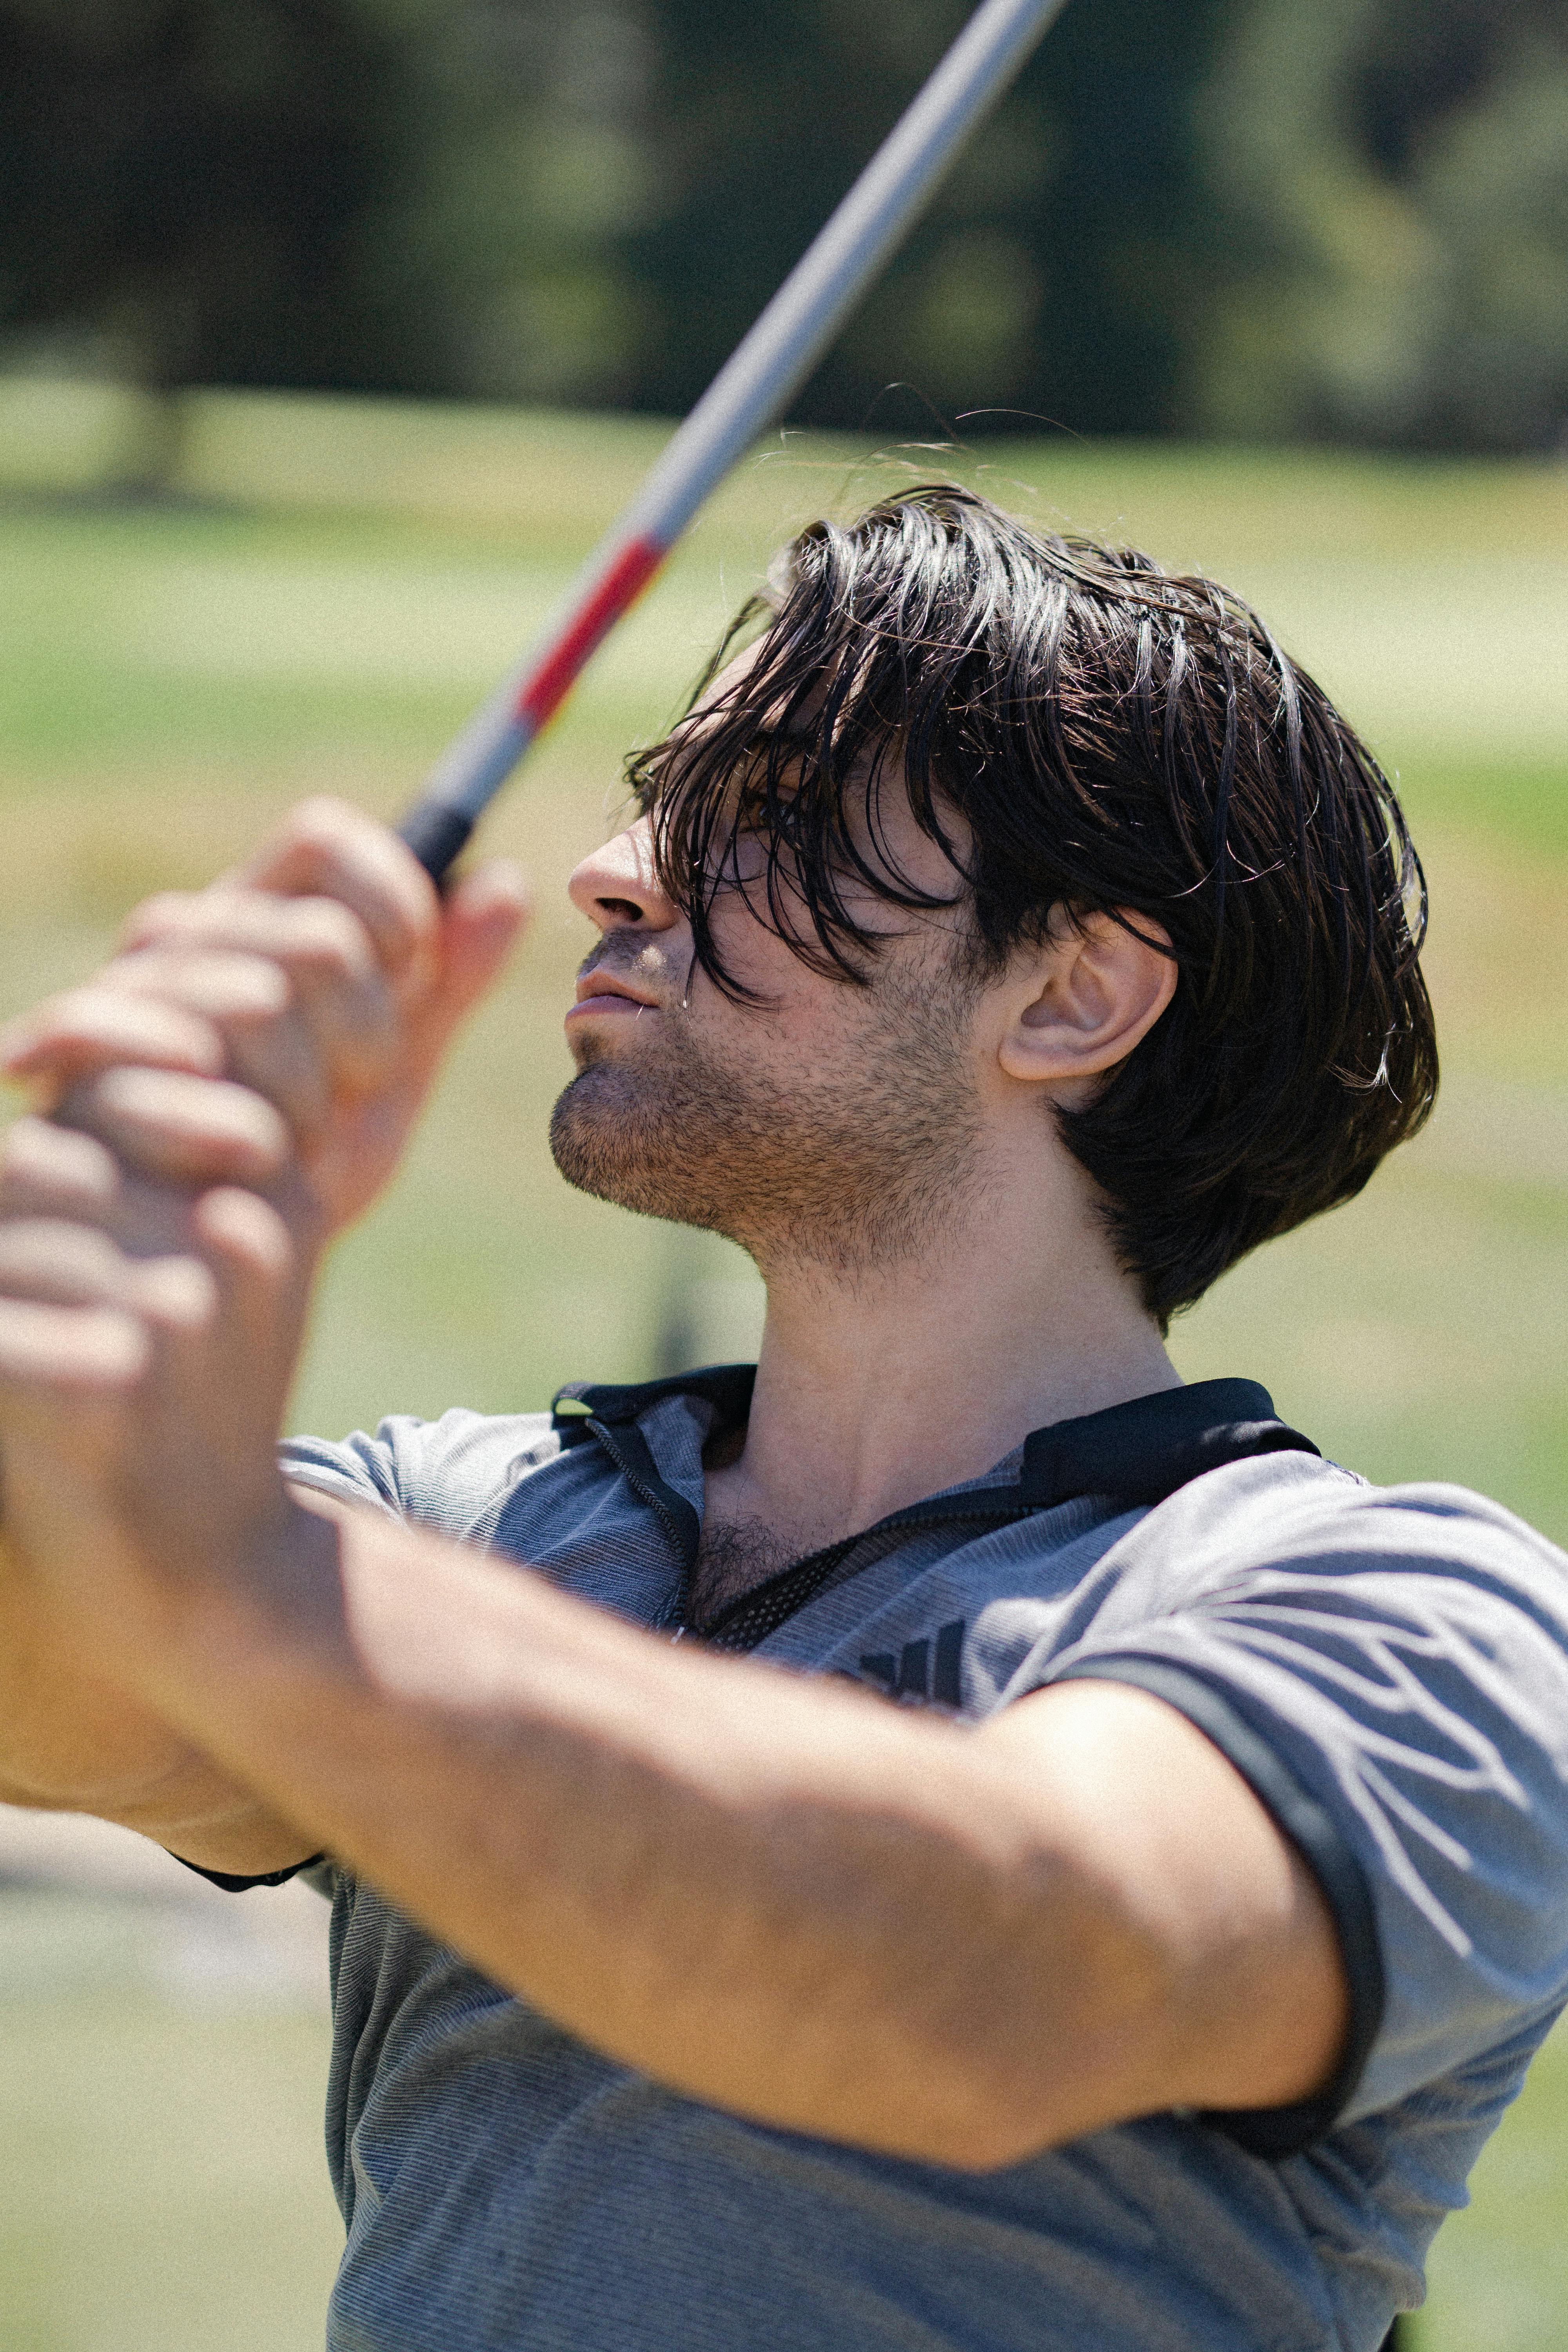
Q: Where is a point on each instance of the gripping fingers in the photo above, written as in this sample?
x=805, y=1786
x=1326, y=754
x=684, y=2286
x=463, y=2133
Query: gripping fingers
x=267, y=1031
x=181, y=1129
x=335, y=984
x=59, y=1264
x=329, y=849
x=247, y=1247
x=53, y=1262
x=80, y=1323
x=259, y=1294
x=56, y=1173
x=47, y=1170
x=208, y=1012
x=74, y=1350
x=88, y=1028
x=66, y=1319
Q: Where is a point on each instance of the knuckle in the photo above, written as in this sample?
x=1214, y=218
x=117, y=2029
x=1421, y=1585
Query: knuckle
x=331, y=940
x=73, y=1009
x=39, y=1158
x=322, y=821
x=182, y=1123
x=61, y=1025
x=166, y=910
x=44, y=1249
x=178, y=1294
x=238, y=986
x=110, y=1016
x=55, y=1278
x=250, y=1231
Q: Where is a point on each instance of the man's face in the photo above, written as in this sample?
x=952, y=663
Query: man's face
x=824, y=1122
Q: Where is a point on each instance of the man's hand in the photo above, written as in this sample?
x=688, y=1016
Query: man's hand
x=98, y=1270
x=326, y=976
x=279, y=1033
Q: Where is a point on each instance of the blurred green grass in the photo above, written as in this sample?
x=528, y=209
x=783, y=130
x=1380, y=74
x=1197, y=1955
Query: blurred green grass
x=332, y=586
x=163, y=2185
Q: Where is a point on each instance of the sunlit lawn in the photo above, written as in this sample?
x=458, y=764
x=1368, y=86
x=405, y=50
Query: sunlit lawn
x=163, y=2184
x=335, y=587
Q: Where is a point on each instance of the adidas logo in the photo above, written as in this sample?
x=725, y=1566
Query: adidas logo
x=922, y=1670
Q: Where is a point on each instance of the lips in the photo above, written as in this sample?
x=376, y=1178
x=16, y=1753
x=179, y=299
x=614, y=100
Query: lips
x=605, y=991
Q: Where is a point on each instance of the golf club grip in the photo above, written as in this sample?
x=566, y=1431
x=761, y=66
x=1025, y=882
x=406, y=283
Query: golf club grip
x=437, y=833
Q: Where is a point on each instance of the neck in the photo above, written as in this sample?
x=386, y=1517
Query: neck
x=878, y=1388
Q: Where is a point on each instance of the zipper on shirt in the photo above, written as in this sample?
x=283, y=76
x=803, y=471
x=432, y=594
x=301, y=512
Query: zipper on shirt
x=629, y=1450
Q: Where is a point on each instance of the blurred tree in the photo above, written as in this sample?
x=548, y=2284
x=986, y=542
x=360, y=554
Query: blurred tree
x=1053, y=273
x=589, y=202
x=194, y=180
x=1394, y=174
x=538, y=166
x=1246, y=217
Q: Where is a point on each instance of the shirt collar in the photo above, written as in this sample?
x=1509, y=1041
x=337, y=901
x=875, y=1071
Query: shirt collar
x=1139, y=1452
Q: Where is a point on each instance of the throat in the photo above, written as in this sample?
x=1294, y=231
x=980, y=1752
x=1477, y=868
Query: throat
x=732, y=1561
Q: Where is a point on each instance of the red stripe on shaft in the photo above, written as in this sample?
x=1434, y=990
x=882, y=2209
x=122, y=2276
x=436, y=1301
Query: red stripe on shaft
x=628, y=576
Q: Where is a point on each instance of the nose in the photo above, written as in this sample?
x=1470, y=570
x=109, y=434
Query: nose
x=616, y=888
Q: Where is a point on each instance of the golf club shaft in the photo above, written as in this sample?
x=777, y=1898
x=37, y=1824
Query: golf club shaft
x=749, y=392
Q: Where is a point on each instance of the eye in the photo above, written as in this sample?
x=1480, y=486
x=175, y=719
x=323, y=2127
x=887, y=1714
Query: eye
x=771, y=815
x=787, y=822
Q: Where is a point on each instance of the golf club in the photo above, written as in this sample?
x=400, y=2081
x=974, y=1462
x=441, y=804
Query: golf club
x=767, y=366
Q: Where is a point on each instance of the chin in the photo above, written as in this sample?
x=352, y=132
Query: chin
x=613, y=1135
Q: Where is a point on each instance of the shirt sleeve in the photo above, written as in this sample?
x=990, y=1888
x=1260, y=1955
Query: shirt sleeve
x=360, y=1470
x=234, y=1883
x=411, y=1469
x=1388, y=1669
x=357, y=1469
x=453, y=1475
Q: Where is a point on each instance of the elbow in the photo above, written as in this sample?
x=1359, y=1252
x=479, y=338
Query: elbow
x=1014, y=2130
x=1062, y=2069
x=991, y=2148
x=983, y=2127
x=989, y=2136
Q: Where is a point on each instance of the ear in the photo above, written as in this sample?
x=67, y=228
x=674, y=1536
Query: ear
x=1095, y=990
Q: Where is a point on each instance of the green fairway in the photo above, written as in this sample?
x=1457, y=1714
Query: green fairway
x=334, y=586
x=163, y=2186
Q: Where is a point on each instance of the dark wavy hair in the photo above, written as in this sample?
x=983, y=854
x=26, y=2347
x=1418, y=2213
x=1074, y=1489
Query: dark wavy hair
x=1115, y=740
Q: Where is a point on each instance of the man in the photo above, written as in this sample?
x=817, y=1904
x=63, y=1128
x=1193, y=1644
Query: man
x=952, y=1840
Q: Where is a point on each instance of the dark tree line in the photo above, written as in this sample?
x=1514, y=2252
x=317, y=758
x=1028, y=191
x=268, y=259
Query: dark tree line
x=1394, y=180
x=1347, y=220
x=193, y=181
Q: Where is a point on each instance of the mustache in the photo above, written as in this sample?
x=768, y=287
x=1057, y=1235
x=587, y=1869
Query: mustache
x=648, y=967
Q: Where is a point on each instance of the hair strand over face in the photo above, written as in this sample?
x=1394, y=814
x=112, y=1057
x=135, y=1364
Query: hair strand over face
x=1109, y=739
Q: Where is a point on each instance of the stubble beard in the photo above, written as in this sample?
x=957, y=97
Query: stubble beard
x=853, y=1167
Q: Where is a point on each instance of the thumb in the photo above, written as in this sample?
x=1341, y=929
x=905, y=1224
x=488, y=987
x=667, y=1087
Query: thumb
x=482, y=922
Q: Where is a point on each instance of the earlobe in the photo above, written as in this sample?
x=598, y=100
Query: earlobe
x=1095, y=990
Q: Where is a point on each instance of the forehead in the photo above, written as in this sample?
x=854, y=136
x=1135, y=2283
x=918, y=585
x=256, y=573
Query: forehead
x=772, y=717
x=731, y=692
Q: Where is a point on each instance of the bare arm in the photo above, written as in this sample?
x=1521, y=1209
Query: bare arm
x=778, y=1896
x=772, y=1894
x=74, y=1740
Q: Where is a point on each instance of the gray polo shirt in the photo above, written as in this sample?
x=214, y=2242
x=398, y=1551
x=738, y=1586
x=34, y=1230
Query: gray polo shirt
x=1387, y=1668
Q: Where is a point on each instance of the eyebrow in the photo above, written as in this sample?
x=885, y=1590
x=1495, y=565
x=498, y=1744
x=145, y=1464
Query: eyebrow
x=763, y=734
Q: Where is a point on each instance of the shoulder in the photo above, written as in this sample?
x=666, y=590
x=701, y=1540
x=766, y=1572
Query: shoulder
x=1296, y=1513
x=1388, y=1668
x=1424, y=1607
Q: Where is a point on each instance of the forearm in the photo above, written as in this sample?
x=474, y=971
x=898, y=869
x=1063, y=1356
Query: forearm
x=775, y=1895
x=73, y=1741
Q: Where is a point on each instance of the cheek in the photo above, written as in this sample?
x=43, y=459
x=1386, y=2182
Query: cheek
x=751, y=952
x=798, y=1016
